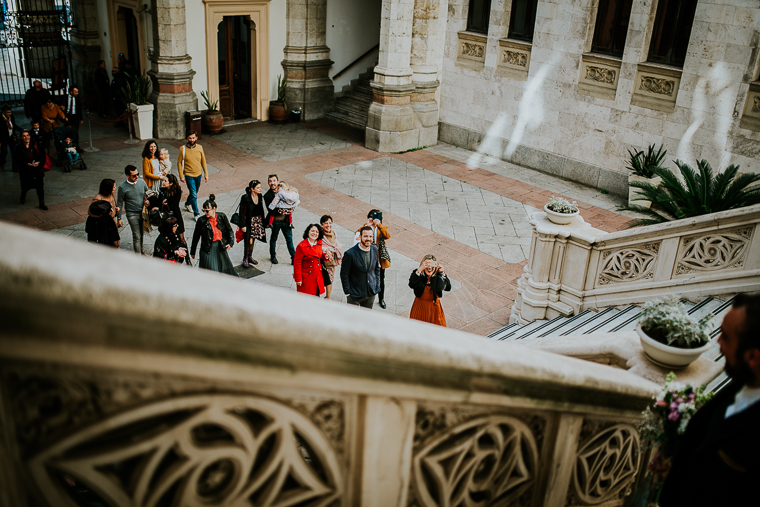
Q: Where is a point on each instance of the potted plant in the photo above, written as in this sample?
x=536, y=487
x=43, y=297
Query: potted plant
x=135, y=93
x=277, y=108
x=670, y=336
x=699, y=193
x=212, y=120
x=561, y=211
x=642, y=166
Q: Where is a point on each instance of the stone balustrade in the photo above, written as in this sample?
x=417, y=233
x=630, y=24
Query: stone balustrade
x=575, y=267
x=146, y=383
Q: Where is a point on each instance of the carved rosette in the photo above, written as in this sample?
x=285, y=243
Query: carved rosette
x=473, y=50
x=606, y=465
x=628, y=264
x=195, y=450
x=713, y=252
x=657, y=85
x=489, y=460
x=600, y=75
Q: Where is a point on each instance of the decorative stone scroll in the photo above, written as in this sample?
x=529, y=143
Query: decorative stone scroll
x=195, y=450
x=487, y=461
x=514, y=59
x=598, y=76
x=628, y=264
x=656, y=87
x=606, y=465
x=713, y=252
x=472, y=49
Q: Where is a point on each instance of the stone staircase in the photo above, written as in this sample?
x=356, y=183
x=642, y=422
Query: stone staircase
x=352, y=106
x=610, y=320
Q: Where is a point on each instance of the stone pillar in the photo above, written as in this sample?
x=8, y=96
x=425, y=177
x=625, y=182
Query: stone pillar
x=427, y=41
x=85, y=49
x=307, y=59
x=170, y=70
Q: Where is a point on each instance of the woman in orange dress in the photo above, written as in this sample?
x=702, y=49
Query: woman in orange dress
x=428, y=282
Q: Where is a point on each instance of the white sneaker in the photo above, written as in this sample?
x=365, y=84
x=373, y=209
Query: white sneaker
x=188, y=208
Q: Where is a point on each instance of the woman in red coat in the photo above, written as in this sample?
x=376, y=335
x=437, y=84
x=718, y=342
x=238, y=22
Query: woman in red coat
x=307, y=265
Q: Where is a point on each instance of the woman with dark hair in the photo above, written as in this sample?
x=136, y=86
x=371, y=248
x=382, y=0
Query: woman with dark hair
x=107, y=192
x=151, y=171
x=29, y=161
x=168, y=245
x=215, y=234
x=428, y=283
x=252, y=215
x=100, y=227
x=330, y=245
x=307, y=262
x=170, y=196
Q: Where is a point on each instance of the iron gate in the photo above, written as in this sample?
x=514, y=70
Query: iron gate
x=34, y=44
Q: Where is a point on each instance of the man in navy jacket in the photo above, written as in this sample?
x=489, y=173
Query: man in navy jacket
x=360, y=271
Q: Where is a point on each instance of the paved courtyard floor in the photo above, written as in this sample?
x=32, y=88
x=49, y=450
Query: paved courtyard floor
x=470, y=210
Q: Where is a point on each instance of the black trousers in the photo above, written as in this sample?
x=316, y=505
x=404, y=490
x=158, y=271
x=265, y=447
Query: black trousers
x=381, y=294
x=33, y=181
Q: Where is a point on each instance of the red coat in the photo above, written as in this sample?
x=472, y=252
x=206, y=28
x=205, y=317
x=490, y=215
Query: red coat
x=307, y=268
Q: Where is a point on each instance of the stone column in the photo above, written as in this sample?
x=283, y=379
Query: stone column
x=85, y=49
x=307, y=59
x=170, y=70
x=427, y=42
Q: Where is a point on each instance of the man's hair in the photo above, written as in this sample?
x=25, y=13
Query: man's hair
x=6, y=107
x=101, y=61
x=272, y=176
x=366, y=228
x=129, y=169
x=319, y=228
x=191, y=133
x=72, y=88
x=749, y=335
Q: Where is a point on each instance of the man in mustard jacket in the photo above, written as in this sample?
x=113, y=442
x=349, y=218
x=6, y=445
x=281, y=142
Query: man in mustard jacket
x=192, y=165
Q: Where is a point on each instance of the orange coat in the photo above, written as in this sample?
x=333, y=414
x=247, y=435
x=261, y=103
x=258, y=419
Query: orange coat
x=148, y=175
x=307, y=268
x=51, y=113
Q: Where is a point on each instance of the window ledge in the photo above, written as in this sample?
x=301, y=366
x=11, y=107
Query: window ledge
x=599, y=76
x=514, y=58
x=471, y=50
x=656, y=86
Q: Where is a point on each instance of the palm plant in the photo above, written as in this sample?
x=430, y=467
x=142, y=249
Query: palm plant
x=643, y=164
x=699, y=194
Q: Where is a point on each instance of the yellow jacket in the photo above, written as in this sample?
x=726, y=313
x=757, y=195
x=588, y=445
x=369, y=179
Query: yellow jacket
x=148, y=175
x=190, y=162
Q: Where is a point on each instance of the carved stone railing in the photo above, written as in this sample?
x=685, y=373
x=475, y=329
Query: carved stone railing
x=138, y=383
x=575, y=267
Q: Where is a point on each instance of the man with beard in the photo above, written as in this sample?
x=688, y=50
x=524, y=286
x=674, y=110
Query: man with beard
x=718, y=460
x=279, y=224
x=360, y=271
x=192, y=165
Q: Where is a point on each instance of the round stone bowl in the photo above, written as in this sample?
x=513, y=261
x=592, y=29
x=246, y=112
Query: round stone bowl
x=560, y=218
x=674, y=358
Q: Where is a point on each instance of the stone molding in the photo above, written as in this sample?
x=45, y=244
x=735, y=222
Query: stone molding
x=751, y=114
x=471, y=50
x=574, y=267
x=656, y=87
x=513, y=59
x=599, y=76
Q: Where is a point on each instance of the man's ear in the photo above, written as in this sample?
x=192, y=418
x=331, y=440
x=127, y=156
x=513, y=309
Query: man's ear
x=752, y=356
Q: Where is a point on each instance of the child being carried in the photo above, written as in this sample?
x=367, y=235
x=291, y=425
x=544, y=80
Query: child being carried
x=164, y=164
x=284, y=202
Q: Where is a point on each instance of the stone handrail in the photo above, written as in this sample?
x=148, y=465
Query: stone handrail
x=575, y=267
x=135, y=379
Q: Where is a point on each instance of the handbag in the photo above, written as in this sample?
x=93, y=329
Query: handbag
x=325, y=275
x=383, y=250
x=47, y=165
x=236, y=220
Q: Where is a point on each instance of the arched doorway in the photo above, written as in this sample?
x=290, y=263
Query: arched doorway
x=127, y=36
x=235, y=40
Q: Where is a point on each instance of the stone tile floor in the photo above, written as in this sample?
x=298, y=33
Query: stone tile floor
x=470, y=210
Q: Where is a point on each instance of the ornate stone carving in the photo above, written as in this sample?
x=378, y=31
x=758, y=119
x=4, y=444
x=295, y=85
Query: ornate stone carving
x=472, y=49
x=487, y=461
x=515, y=58
x=712, y=252
x=657, y=85
x=600, y=75
x=606, y=465
x=628, y=264
x=195, y=450
x=756, y=104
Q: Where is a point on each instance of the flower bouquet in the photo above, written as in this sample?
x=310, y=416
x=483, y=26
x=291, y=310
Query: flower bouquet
x=664, y=424
x=561, y=211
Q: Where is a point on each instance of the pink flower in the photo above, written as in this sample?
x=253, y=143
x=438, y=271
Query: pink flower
x=673, y=416
x=662, y=403
x=692, y=396
x=680, y=400
x=674, y=406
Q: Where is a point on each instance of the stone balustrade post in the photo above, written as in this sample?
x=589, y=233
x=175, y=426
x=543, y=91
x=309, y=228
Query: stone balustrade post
x=307, y=59
x=171, y=70
x=85, y=48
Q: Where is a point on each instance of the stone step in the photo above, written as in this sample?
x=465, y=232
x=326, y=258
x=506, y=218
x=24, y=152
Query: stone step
x=351, y=110
x=342, y=118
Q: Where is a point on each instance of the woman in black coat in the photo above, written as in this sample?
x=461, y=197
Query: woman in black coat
x=428, y=283
x=100, y=227
x=215, y=235
x=252, y=215
x=171, y=194
x=169, y=245
x=29, y=161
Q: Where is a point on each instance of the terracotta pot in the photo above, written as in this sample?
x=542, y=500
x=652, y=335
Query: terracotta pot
x=560, y=218
x=670, y=357
x=277, y=112
x=212, y=122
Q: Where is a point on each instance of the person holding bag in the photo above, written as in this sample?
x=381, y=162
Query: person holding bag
x=169, y=246
x=192, y=165
x=307, y=262
x=251, y=220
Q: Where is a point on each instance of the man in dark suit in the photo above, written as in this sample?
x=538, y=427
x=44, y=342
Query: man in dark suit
x=72, y=108
x=718, y=461
x=360, y=271
x=35, y=97
x=8, y=130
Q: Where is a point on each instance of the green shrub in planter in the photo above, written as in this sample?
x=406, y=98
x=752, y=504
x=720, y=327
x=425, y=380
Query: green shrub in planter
x=666, y=321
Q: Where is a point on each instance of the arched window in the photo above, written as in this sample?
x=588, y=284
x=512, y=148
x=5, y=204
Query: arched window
x=477, y=16
x=611, y=27
x=671, y=32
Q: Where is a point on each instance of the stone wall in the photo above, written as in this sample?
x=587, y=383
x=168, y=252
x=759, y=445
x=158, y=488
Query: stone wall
x=536, y=108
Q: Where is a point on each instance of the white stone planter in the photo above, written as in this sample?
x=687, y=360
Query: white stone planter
x=632, y=191
x=143, y=120
x=670, y=357
x=560, y=218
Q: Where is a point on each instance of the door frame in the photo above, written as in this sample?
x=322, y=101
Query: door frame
x=258, y=12
x=113, y=7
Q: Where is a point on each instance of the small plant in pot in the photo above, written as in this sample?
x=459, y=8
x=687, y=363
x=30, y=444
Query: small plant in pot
x=561, y=211
x=213, y=120
x=278, y=108
x=669, y=335
x=642, y=166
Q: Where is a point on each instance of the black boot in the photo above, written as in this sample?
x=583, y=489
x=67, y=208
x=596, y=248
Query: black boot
x=41, y=197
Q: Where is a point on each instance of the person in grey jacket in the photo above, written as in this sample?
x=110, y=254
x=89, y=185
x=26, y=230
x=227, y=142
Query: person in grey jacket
x=132, y=194
x=360, y=271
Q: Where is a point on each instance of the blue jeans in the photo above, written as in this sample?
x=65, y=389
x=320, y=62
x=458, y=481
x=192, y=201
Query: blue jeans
x=284, y=226
x=193, y=185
